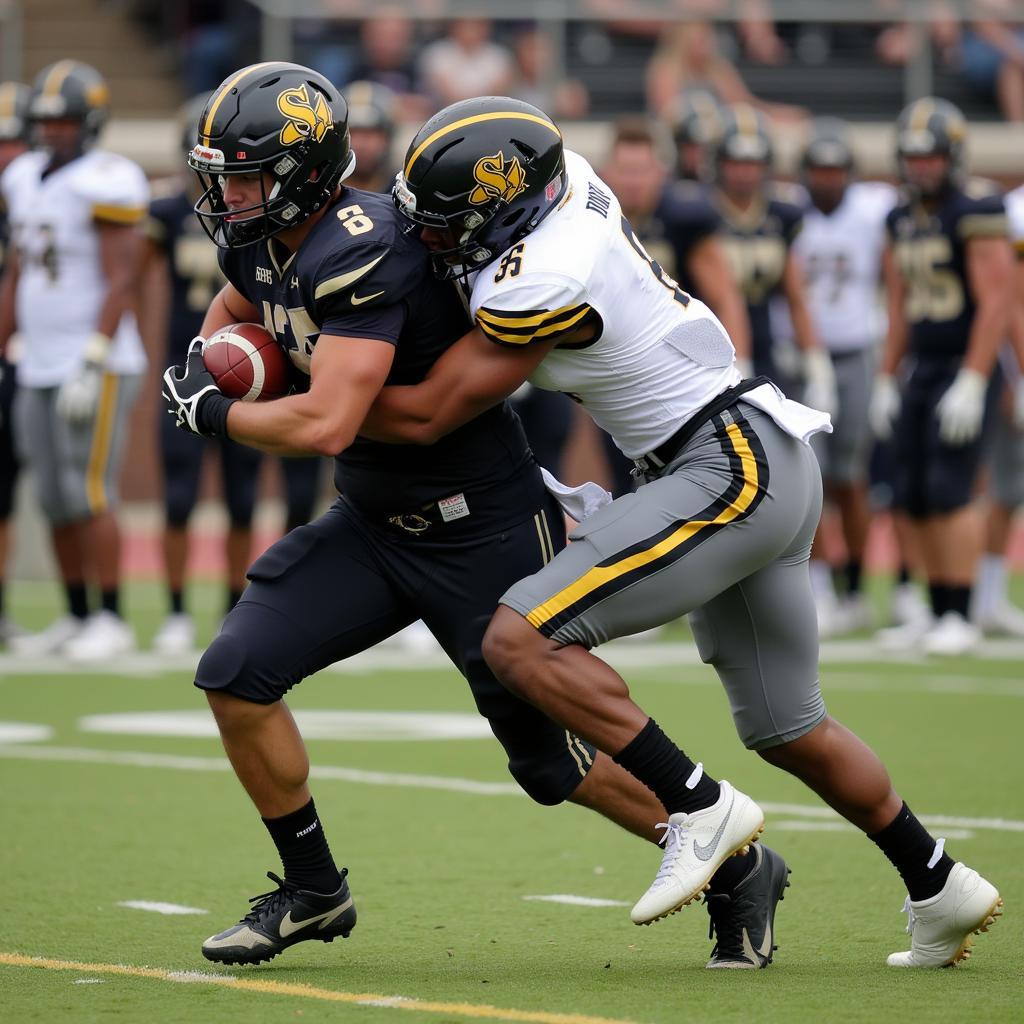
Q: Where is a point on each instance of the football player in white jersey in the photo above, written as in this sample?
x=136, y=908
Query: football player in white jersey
x=76, y=215
x=720, y=528
x=840, y=251
x=993, y=610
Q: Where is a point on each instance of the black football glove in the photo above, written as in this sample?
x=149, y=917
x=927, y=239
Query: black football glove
x=192, y=397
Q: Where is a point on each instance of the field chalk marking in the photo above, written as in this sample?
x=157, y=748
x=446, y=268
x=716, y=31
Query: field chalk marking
x=327, y=995
x=576, y=901
x=160, y=908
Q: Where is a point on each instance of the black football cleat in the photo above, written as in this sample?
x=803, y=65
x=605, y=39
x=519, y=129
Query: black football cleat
x=744, y=920
x=281, y=918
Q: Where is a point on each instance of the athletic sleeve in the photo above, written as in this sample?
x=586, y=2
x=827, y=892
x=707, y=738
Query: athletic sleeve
x=540, y=307
x=115, y=189
x=982, y=217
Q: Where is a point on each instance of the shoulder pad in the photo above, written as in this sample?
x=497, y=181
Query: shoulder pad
x=981, y=188
x=115, y=188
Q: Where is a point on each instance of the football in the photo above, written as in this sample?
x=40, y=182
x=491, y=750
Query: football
x=247, y=362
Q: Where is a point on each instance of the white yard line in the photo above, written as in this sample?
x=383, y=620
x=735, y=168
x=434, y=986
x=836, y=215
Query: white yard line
x=576, y=901
x=157, y=907
x=402, y=780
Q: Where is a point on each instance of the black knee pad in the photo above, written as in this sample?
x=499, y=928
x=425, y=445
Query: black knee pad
x=550, y=777
x=225, y=667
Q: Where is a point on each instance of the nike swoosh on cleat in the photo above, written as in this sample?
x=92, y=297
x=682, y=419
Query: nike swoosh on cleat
x=358, y=300
x=765, y=950
x=707, y=851
x=289, y=926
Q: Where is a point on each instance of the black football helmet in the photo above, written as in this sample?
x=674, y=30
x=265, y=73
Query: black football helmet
x=71, y=91
x=696, y=117
x=14, y=104
x=744, y=136
x=932, y=126
x=282, y=120
x=489, y=169
x=371, y=107
x=829, y=145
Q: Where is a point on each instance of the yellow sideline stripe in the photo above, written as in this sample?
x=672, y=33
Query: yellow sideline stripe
x=327, y=995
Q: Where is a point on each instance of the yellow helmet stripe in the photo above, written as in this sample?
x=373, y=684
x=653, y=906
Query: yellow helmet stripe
x=746, y=119
x=55, y=79
x=7, y=93
x=207, y=128
x=920, y=114
x=513, y=115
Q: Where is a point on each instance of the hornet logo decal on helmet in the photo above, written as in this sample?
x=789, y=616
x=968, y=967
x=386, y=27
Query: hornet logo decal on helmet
x=305, y=118
x=496, y=179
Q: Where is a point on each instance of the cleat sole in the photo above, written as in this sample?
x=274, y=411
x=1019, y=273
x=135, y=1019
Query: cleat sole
x=964, y=952
x=744, y=847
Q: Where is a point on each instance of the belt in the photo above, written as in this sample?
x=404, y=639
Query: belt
x=661, y=456
x=438, y=513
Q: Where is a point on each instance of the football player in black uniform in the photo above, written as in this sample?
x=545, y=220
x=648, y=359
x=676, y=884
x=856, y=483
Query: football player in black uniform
x=434, y=532
x=949, y=272
x=371, y=125
x=759, y=230
x=696, y=121
x=678, y=227
x=14, y=99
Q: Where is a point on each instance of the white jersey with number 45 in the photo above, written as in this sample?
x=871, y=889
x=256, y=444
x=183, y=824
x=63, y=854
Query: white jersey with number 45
x=61, y=286
x=659, y=354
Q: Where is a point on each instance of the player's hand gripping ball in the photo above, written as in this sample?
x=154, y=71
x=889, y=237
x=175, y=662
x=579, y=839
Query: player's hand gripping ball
x=247, y=362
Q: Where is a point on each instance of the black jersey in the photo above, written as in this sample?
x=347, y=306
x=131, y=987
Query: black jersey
x=683, y=218
x=192, y=262
x=930, y=250
x=358, y=274
x=757, y=242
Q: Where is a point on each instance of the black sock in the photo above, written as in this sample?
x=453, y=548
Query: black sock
x=903, y=576
x=233, y=596
x=177, y=602
x=78, y=600
x=938, y=594
x=912, y=850
x=853, y=575
x=660, y=765
x=110, y=601
x=300, y=840
x=958, y=599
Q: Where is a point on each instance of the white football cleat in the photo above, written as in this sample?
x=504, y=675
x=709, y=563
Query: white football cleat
x=9, y=630
x=940, y=928
x=1004, y=619
x=908, y=637
x=51, y=640
x=104, y=636
x=951, y=635
x=830, y=618
x=696, y=845
x=907, y=606
x=176, y=635
x=855, y=613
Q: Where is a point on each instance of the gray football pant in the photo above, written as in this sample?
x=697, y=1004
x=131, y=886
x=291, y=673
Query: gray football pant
x=722, y=534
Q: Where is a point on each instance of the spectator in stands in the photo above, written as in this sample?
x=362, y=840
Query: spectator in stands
x=386, y=57
x=992, y=55
x=465, y=63
x=532, y=81
x=687, y=55
x=216, y=33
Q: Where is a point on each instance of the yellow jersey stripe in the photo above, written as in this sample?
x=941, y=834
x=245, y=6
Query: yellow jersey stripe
x=983, y=225
x=224, y=93
x=336, y=284
x=600, y=575
x=513, y=115
x=99, y=451
x=540, y=332
x=118, y=214
x=534, y=320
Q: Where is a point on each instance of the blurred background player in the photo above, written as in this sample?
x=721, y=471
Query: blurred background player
x=839, y=250
x=696, y=122
x=760, y=228
x=76, y=216
x=992, y=609
x=949, y=272
x=679, y=228
x=14, y=99
x=371, y=122
x=180, y=280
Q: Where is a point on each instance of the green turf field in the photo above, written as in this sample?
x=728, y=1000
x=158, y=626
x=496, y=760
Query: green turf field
x=440, y=871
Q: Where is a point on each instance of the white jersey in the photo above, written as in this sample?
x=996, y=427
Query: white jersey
x=840, y=254
x=61, y=286
x=583, y=266
x=1015, y=215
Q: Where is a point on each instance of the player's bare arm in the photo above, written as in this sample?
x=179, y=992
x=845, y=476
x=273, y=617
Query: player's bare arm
x=804, y=332
x=121, y=248
x=895, y=345
x=471, y=376
x=990, y=277
x=229, y=306
x=714, y=279
x=8, y=286
x=346, y=375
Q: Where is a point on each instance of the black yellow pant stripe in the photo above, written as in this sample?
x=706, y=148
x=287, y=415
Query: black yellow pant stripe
x=102, y=443
x=746, y=489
